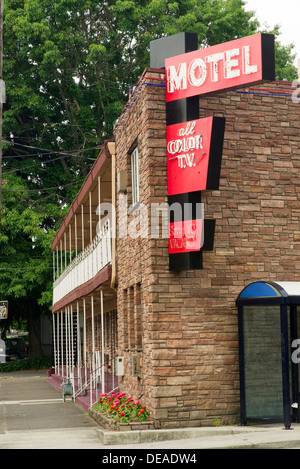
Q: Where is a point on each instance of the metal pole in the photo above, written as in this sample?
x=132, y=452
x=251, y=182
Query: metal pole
x=285, y=367
x=294, y=366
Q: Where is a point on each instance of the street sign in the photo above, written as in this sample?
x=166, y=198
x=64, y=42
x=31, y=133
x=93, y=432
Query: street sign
x=3, y=309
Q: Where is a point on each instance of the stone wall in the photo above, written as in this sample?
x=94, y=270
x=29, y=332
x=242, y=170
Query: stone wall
x=187, y=370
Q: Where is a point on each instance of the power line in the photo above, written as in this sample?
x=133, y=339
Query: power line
x=59, y=152
x=62, y=186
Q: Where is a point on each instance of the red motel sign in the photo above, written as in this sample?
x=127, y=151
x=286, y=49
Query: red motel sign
x=233, y=64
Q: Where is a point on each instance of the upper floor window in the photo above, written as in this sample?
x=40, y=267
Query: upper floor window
x=135, y=180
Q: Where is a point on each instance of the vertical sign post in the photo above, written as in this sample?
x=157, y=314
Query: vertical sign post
x=194, y=146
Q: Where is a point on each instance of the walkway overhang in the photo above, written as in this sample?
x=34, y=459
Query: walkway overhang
x=101, y=168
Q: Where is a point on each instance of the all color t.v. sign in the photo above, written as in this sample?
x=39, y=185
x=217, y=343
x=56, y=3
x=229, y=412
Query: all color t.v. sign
x=194, y=153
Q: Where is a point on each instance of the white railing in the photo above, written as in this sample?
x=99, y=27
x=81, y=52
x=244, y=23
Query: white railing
x=85, y=265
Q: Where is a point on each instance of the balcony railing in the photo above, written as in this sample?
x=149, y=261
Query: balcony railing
x=85, y=265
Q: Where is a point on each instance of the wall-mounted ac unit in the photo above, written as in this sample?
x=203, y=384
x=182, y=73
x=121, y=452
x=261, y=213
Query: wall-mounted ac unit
x=122, y=181
x=135, y=365
x=119, y=366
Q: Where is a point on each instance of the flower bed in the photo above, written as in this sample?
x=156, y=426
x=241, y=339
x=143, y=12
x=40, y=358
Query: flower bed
x=116, y=411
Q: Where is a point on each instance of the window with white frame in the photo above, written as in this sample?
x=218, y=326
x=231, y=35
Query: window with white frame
x=135, y=180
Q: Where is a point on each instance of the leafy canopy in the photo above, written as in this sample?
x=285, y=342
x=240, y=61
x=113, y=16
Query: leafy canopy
x=68, y=68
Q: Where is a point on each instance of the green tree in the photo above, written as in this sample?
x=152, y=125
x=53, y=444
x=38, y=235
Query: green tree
x=68, y=68
x=25, y=259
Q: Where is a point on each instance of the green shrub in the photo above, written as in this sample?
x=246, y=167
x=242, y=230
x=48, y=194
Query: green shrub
x=36, y=363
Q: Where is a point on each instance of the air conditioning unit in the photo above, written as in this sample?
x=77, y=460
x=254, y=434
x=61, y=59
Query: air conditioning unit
x=119, y=366
x=135, y=365
x=122, y=181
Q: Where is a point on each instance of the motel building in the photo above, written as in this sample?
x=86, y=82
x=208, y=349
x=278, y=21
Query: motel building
x=194, y=312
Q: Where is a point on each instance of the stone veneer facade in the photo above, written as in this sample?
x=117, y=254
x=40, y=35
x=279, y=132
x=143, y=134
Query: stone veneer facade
x=178, y=331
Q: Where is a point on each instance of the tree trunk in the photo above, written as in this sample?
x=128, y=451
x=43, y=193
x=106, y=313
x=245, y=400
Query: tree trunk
x=34, y=331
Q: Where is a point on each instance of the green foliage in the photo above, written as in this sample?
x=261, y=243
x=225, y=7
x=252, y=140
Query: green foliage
x=68, y=67
x=36, y=363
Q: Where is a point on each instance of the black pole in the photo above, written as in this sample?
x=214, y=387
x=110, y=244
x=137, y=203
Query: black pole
x=242, y=366
x=285, y=367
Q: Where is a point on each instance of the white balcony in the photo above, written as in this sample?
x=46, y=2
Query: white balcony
x=85, y=265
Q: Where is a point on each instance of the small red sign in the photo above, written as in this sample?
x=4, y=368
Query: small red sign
x=188, y=153
x=229, y=65
x=185, y=236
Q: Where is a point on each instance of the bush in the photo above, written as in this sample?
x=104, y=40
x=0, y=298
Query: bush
x=36, y=363
x=122, y=408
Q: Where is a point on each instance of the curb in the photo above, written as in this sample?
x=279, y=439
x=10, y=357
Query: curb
x=150, y=436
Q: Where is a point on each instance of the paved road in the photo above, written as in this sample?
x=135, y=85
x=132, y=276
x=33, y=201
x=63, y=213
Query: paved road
x=34, y=416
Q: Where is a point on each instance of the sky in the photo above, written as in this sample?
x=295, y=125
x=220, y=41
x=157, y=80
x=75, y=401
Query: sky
x=285, y=13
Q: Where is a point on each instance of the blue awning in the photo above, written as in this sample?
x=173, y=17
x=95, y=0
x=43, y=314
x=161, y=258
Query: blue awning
x=270, y=290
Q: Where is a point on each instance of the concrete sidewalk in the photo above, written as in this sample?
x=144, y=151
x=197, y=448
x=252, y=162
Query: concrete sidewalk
x=33, y=415
x=227, y=437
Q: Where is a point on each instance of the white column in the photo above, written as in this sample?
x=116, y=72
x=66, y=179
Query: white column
x=76, y=235
x=78, y=348
x=82, y=227
x=65, y=246
x=102, y=343
x=53, y=263
x=57, y=266
x=72, y=338
x=93, y=328
x=62, y=341
x=61, y=262
x=84, y=339
x=91, y=233
x=70, y=240
x=57, y=342
x=67, y=341
x=54, y=343
x=99, y=202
